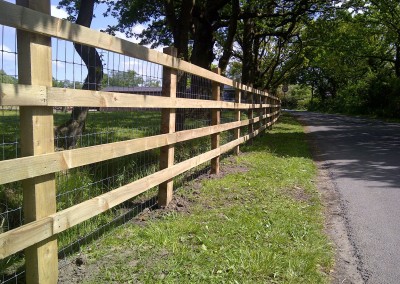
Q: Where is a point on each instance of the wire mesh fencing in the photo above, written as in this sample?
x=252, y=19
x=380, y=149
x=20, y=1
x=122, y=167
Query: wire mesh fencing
x=10, y=194
x=80, y=67
x=121, y=74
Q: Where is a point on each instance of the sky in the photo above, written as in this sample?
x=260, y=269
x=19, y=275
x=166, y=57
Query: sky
x=99, y=22
x=66, y=62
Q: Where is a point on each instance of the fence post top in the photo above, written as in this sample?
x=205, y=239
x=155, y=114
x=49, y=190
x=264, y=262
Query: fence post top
x=171, y=50
x=217, y=70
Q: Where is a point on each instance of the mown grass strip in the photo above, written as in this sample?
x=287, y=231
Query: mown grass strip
x=260, y=223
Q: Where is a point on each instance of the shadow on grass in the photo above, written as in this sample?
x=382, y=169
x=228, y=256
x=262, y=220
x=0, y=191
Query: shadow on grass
x=284, y=140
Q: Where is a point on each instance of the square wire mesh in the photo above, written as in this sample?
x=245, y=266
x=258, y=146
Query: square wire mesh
x=121, y=74
x=11, y=193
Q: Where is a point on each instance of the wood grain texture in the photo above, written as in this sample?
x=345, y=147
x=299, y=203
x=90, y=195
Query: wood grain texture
x=36, y=22
x=37, y=138
x=168, y=118
x=27, y=95
x=34, y=232
x=215, y=120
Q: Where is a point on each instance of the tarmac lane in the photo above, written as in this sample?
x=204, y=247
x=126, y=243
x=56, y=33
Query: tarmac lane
x=363, y=158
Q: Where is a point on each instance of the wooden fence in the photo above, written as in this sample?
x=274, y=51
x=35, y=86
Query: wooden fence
x=36, y=99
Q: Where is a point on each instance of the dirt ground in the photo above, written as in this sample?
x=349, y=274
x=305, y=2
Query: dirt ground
x=76, y=268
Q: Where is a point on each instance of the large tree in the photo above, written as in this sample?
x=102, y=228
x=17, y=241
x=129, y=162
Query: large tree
x=270, y=41
x=384, y=15
x=70, y=131
x=182, y=24
x=352, y=58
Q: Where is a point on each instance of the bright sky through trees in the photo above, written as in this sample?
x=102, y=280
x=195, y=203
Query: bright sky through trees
x=62, y=51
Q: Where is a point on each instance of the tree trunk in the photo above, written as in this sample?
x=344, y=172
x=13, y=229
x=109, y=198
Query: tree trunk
x=74, y=127
x=180, y=25
x=228, y=45
x=397, y=59
x=247, y=47
x=204, y=19
x=203, y=53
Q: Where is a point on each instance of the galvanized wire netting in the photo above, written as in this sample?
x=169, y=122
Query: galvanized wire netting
x=121, y=74
x=11, y=193
x=9, y=115
x=104, y=125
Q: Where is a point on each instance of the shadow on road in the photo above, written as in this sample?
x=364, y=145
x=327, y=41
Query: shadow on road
x=356, y=148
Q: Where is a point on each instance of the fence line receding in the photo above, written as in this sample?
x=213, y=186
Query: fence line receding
x=151, y=119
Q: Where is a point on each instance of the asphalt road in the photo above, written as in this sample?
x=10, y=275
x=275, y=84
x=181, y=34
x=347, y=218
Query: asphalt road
x=363, y=157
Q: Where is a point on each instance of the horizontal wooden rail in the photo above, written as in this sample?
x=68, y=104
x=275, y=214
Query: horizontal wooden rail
x=24, y=236
x=39, y=162
x=27, y=95
x=29, y=20
x=33, y=166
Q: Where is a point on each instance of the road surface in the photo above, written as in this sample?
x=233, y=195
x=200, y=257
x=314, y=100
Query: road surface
x=363, y=157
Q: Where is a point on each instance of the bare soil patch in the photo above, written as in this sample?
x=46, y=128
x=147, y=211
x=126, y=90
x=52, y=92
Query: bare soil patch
x=76, y=268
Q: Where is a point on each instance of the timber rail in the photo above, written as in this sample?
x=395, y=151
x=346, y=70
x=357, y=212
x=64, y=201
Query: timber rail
x=36, y=97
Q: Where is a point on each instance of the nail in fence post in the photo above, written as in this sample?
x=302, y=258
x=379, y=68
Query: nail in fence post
x=238, y=94
x=168, y=117
x=215, y=120
x=37, y=137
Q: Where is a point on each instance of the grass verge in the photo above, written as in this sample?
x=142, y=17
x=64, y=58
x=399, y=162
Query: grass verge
x=261, y=222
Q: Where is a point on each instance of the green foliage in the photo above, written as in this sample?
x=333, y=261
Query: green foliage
x=298, y=97
x=127, y=79
x=353, y=59
x=67, y=84
x=122, y=79
x=4, y=78
x=234, y=70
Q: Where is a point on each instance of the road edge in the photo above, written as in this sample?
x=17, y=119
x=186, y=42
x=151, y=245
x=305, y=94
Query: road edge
x=346, y=267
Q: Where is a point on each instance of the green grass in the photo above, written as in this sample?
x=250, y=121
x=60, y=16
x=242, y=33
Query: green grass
x=83, y=183
x=264, y=225
x=80, y=184
x=260, y=226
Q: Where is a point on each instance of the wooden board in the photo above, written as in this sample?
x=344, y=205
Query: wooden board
x=27, y=95
x=37, y=137
x=27, y=235
x=33, y=21
x=33, y=166
x=23, y=95
x=168, y=118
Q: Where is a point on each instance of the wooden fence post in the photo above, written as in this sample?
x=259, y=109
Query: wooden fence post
x=238, y=94
x=260, y=110
x=168, y=117
x=250, y=115
x=264, y=112
x=37, y=137
x=215, y=120
x=269, y=112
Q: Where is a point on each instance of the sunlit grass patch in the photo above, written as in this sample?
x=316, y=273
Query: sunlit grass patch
x=262, y=225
